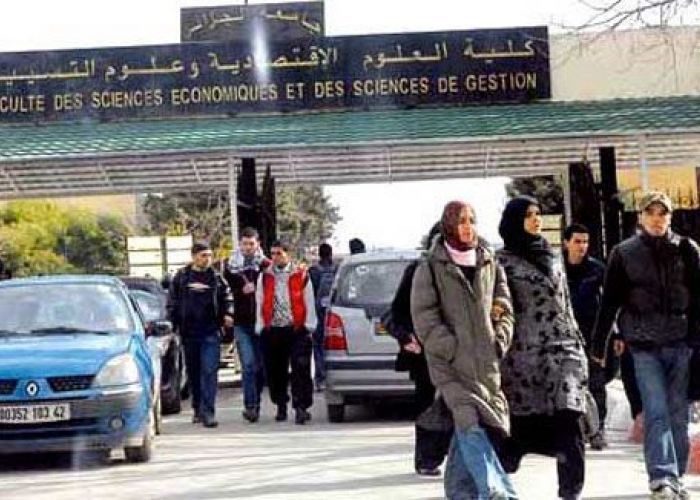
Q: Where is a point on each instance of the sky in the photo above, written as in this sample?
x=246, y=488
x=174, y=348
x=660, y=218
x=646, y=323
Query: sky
x=394, y=215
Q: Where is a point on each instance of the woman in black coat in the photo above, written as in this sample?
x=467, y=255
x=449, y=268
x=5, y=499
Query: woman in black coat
x=545, y=372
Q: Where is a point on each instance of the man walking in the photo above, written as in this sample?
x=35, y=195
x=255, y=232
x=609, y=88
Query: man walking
x=286, y=316
x=242, y=273
x=199, y=304
x=322, y=275
x=647, y=282
x=585, y=276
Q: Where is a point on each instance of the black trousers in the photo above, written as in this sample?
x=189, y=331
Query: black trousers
x=431, y=446
x=559, y=435
x=629, y=382
x=282, y=348
x=597, y=380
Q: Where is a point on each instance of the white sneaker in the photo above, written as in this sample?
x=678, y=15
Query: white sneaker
x=664, y=492
x=683, y=494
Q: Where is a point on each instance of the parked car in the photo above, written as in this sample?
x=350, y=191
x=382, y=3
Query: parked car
x=152, y=300
x=360, y=354
x=78, y=371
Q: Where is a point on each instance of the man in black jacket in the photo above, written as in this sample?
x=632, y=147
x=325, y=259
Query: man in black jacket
x=585, y=278
x=322, y=275
x=199, y=304
x=242, y=273
x=647, y=282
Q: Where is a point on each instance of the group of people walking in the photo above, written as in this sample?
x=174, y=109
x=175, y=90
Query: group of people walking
x=513, y=349
x=517, y=341
x=273, y=306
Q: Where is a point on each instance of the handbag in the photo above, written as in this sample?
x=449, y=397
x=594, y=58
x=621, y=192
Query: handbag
x=437, y=418
x=591, y=420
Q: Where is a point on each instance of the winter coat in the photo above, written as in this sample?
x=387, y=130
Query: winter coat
x=299, y=297
x=647, y=282
x=546, y=369
x=463, y=346
x=179, y=298
x=586, y=290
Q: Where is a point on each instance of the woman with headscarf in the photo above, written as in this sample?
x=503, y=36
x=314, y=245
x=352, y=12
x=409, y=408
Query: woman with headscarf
x=545, y=371
x=453, y=293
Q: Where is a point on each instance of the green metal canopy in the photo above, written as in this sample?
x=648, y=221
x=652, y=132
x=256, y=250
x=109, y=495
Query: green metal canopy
x=357, y=146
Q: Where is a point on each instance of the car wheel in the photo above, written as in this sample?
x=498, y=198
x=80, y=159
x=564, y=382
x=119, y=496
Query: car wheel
x=143, y=453
x=336, y=413
x=172, y=402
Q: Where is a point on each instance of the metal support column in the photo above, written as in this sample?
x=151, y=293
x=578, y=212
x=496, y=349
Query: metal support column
x=565, y=180
x=643, y=165
x=233, y=202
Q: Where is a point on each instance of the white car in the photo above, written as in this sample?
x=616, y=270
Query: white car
x=360, y=354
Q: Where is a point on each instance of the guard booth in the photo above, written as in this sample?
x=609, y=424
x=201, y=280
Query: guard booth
x=292, y=106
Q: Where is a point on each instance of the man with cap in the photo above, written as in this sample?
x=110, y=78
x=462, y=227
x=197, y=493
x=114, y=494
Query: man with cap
x=199, y=304
x=647, y=287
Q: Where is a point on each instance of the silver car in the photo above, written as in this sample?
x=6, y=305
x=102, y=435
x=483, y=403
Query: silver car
x=360, y=354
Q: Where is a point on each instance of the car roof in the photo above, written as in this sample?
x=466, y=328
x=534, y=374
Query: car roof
x=87, y=279
x=382, y=255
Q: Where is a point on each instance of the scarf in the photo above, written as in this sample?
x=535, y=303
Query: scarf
x=240, y=262
x=465, y=258
x=449, y=225
x=534, y=249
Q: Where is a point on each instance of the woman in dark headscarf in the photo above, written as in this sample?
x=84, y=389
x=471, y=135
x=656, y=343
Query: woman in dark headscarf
x=453, y=292
x=545, y=372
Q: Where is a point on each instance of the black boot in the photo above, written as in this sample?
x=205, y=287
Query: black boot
x=281, y=413
x=251, y=414
x=302, y=416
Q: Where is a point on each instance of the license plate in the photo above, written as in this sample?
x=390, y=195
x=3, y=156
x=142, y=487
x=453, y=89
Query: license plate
x=380, y=329
x=33, y=414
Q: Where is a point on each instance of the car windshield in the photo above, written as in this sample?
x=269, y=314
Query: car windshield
x=371, y=283
x=42, y=309
x=150, y=305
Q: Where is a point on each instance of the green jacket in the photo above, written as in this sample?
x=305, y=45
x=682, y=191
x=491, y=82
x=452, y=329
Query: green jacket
x=462, y=343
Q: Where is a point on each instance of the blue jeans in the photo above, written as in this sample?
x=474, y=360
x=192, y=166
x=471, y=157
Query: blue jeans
x=662, y=375
x=250, y=354
x=202, y=360
x=319, y=353
x=473, y=471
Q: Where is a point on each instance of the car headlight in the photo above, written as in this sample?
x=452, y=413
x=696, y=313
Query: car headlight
x=120, y=370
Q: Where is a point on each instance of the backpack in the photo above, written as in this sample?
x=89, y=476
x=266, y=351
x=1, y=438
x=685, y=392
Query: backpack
x=326, y=276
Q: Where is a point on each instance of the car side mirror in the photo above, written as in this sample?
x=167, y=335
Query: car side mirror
x=159, y=328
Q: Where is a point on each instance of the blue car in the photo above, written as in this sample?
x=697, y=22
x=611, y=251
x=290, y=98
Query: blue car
x=77, y=371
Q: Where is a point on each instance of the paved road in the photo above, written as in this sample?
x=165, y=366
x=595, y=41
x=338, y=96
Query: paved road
x=369, y=457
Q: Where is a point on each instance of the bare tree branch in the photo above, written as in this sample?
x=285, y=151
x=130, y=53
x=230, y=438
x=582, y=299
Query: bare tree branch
x=613, y=14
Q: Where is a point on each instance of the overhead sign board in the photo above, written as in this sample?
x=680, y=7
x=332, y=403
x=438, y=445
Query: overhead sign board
x=276, y=22
x=374, y=71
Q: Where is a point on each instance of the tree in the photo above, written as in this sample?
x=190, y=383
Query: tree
x=613, y=14
x=36, y=237
x=205, y=215
x=544, y=189
x=305, y=216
